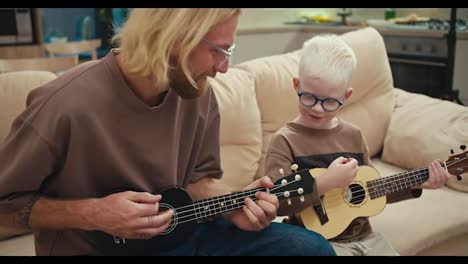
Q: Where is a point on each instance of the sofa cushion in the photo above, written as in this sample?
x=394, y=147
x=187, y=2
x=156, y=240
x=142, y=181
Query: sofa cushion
x=8, y=232
x=14, y=88
x=18, y=246
x=416, y=225
x=429, y=222
x=414, y=139
x=459, y=185
x=240, y=131
x=370, y=107
x=275, y=94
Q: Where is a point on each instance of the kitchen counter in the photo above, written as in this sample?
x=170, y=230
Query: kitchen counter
x=277, y=28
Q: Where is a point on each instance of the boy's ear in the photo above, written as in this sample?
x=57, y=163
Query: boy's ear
x=295, y=83
x=349, y=92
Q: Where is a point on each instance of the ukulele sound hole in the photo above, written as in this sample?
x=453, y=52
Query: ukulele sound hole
x=163, y=207
x=355, y=194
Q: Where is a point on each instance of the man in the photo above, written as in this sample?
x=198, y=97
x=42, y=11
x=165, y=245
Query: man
x=95, y=143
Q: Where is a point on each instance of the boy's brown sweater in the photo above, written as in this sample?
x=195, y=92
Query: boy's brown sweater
x=317, y=148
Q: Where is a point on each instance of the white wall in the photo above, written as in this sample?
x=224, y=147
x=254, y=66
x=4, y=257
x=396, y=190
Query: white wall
x=258, y=45
x=269, y=16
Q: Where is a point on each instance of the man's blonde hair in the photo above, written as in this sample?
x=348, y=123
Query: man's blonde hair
x=155, y=40
x=329, y=58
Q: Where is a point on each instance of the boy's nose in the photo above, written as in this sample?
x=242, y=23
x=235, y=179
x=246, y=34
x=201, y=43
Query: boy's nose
x=317, y=107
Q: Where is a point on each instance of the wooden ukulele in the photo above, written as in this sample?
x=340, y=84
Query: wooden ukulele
x=366, y=195
x=187, y=214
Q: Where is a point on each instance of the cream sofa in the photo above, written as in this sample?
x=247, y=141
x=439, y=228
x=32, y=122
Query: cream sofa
x=403, y=130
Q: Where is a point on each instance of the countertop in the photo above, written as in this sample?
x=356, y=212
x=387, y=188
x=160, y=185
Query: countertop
x=276, y=28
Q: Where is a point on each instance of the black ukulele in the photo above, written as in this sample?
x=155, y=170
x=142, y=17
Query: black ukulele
x=187, y=214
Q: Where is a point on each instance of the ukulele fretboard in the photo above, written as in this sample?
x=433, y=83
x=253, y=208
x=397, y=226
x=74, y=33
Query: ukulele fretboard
x=385, y=185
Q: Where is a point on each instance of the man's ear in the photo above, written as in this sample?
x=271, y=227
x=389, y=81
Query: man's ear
x=349, y=92
x=296, y=83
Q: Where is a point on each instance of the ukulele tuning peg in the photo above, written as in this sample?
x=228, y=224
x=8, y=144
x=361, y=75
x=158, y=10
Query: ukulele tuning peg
x=301, y=198
x=463, y=147
x=294, y=167
x=281, y=171
x=451, y=151
x=119, y=240
x=289, y=202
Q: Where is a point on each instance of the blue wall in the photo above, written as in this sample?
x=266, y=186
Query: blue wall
x=66, y=21
x=71, y=23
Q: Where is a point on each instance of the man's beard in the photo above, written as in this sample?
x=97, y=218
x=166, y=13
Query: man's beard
x=181, y=85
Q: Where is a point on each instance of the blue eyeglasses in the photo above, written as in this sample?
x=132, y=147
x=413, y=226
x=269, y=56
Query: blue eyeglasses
x=226, y=53
x=328, y=104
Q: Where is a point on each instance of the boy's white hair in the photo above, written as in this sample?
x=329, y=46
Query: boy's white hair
x=329, y=58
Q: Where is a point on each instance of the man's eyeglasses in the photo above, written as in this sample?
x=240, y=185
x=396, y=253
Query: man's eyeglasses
x=328, y=104
x=226, y=53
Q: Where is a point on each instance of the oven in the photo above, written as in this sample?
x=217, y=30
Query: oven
x=418, y=64
x=423, y=61
x=16, y=26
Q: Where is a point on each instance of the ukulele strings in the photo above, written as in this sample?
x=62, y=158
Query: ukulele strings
x=358, y=192
x=220, y=201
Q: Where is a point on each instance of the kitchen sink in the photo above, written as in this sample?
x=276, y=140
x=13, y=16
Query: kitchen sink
x=328, y=23
x=314, y=23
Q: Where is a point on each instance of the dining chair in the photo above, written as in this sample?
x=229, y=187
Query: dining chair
x=22, y=51
x=74, y=48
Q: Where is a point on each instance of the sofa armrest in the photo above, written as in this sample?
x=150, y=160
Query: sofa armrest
x=422, y=129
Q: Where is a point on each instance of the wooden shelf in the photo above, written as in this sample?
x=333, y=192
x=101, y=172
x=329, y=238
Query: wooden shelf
x=37, y=25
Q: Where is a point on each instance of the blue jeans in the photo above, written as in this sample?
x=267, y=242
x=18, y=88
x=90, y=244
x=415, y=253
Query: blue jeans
x=221, y=238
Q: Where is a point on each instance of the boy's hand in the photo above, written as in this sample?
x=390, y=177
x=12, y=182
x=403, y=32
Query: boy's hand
x=340, y=174
x=438, y=176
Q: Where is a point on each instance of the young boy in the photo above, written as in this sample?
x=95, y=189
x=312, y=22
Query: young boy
x=316, y=138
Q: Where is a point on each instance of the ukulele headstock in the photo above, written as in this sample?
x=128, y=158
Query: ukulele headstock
x=457, y=164
x=295, y=184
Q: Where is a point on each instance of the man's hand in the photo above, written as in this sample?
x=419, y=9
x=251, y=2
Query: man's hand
x=131, y=215
x=257, y=215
